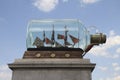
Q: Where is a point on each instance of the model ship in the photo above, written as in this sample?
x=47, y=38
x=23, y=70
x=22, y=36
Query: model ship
x=53, y=43
x=63, y=34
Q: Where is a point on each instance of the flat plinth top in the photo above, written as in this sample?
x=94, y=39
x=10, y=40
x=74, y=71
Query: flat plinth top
x=52, y=63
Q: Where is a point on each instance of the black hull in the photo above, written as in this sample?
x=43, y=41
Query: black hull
x=54, y=49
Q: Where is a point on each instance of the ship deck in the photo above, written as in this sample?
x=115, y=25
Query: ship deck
x=54, y=49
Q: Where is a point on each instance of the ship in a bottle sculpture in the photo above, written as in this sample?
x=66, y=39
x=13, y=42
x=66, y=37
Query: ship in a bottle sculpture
x=64, y=38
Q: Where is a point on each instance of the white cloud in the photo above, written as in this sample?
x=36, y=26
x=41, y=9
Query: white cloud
x=46, y=5
x=116, y=66
x=112, y=33
x=89, y=1
x=65, y=1
x=113, y=41
x=102, y=68
x=86, y=2
x=49, y=5
x=103, y=50
x=111, y=78
x=118, y=50
x=113, y=56
x=115, y=73
x=116, y=78
x=5, y=73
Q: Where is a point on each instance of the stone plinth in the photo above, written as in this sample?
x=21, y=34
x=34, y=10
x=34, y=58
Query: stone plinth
x=51, y=69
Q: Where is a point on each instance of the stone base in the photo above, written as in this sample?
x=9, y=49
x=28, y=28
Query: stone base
x=51, y=69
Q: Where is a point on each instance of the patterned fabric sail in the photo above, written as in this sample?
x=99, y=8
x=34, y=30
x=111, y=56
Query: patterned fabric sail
x=74, y=39
x=48, y=41
x=38, y=42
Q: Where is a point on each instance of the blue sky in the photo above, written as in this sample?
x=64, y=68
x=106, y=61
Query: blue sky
x=104, y=14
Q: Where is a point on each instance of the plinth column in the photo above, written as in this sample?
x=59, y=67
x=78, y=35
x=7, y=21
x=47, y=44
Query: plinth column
x=51, y=69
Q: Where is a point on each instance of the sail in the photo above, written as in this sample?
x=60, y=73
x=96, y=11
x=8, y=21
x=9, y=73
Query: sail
x=38, y=42
x=48, y=41
x=74, y=39
x=60, y=36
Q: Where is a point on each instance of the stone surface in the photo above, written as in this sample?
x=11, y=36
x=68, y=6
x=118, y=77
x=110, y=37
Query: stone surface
x=51, y=69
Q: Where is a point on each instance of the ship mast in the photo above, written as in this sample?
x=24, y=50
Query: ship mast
x=65, y=40
x=43, y=36
x=52, y=37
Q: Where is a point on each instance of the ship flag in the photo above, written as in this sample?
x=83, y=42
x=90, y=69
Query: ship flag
x=60, y=36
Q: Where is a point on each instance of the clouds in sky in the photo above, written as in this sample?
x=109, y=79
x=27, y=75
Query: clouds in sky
x=46, y=5
x=50, y=5
x=115, y=71
x=88, y=1
x=102, y=68
x=116, y=66
x=103, y=50
x=118, y=51
x=113, y=78
x=5, y=73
